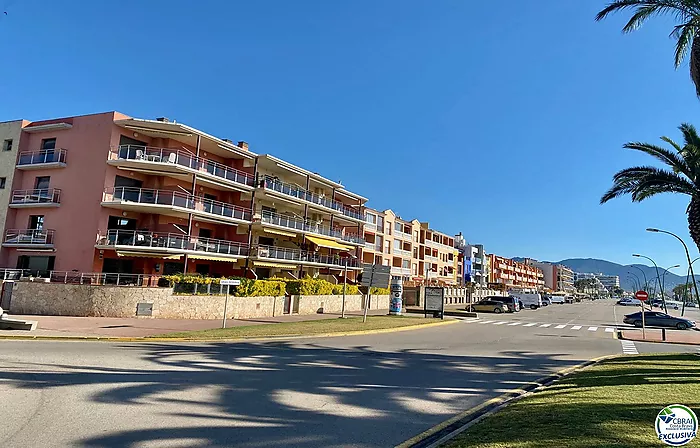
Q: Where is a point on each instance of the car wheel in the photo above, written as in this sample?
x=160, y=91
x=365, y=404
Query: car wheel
x=681, y=326
x=675, y=307
x=497, y=310
x=533, y=307
x=637, y=323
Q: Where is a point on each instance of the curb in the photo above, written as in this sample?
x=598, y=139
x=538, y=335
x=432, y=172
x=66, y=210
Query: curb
x=447, y=430
x=240, y=339
x=656, y=342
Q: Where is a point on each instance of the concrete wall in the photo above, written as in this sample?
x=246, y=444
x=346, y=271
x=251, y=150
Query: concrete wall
x=113, y=301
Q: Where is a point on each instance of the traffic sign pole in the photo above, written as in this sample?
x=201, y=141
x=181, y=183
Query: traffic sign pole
x=228, y=284
x=369, y=294
x=642, y=296
x=223, y=324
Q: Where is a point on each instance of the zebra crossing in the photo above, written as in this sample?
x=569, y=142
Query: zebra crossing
x=628, y=347
x=534, y=325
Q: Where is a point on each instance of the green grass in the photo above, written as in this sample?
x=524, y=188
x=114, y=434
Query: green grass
x=611, y=404
x=310, y=327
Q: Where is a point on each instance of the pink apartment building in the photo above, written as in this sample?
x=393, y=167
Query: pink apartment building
x=111, y=193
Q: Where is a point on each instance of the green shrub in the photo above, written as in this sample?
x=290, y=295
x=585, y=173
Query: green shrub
x=380, y=291
x=310, y=287
x=349, y=289
x=257, y=288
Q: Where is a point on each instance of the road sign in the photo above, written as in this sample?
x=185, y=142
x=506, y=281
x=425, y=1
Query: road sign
x=641, y=295
x=235, y=282
x=434, y=300
x=375, y=275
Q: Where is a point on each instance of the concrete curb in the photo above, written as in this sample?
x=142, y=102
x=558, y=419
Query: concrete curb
x=241, y=339
x=620, y=336
x=447, y=430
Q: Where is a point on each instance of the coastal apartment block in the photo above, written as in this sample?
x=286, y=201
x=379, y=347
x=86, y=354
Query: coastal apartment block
x=111, y=193
x=557, y=277
x=514, y=274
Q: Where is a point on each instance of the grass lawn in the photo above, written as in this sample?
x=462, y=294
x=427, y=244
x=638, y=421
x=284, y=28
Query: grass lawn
x=310, y=327
x=611, y=404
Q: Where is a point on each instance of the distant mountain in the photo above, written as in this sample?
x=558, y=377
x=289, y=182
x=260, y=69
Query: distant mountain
x=594, y=265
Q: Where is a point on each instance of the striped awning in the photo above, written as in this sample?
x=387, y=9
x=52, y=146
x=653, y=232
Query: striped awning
x=264, y=264
x=212, y=258
x=329, y=244
x=280, y=232
x=148, y=255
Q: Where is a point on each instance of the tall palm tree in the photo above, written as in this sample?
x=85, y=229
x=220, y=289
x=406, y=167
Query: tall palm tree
x=682, y=175
x=685, y=12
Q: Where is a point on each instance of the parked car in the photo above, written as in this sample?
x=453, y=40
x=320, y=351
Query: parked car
x=556, y=299
x=512, y=302
x=658, y=303
x=658, y=319
x=629, y=302
x=490, y=306
x=691, y=305
x=546, y=301
x=569, y=299
x=531, y=300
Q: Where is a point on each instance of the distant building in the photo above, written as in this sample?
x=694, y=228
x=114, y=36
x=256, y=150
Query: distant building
x=609, y=282
x=514, y=274
x=557, y=277
x=472, y=262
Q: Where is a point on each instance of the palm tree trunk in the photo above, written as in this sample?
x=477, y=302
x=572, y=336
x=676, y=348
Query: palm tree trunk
x=694, y=220
x=695, y=67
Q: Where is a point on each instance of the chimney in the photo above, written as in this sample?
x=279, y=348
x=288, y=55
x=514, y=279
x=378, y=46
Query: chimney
x=243, y=145
x=163, y=119
x=227, y=140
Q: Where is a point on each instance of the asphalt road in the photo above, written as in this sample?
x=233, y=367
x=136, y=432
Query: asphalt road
x=372, y=390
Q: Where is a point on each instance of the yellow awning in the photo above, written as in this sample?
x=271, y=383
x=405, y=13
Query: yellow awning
x=264, y=264
x=147, y=255
x=212, y=258
x=280, y=232
x=330, y=244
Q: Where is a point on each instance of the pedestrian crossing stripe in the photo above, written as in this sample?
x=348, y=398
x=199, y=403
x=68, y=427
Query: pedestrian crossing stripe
x=628, y=348
x=541, y=325
x=545, y=325
x=529, y=325
x=514, y=323
x=576, y=327
x=609, y=330
x=501, y=323
x=592, y=328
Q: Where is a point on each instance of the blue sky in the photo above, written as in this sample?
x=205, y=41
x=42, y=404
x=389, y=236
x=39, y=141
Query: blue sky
x=503, y=120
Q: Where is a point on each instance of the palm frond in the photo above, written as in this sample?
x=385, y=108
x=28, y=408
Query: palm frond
x=684, y=35
x=642, y=182
x=674, y=160
x=691, y=148
x=616, y=6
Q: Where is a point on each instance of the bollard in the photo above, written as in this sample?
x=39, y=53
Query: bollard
x=663, y=334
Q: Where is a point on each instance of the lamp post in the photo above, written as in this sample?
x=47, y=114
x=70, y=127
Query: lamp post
x=663, y=285
x=687, y=254
x=658, y=277
x=643, y=274
x=635, y=283
x=685, y=288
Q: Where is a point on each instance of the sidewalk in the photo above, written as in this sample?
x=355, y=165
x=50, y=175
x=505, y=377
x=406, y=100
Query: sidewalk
x=691, y=337
x=68, y=326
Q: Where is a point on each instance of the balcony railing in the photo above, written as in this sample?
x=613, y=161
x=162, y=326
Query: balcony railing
x=47, y=196
x=374, y=246
x=28, y=237
x=197, y=204
x=184, y=159
x=171, y=241
x=301, y=257
x=42, y=157
x=299, y=224
x=270, y=183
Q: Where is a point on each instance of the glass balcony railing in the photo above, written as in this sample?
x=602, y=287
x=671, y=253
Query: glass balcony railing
x=196, y=204
x=41, y=157
x=184, y=159
x=38, y=197
x=301, y=257
x=29, y=237
x=299, y=224
x=171, y=241
x=270, y=183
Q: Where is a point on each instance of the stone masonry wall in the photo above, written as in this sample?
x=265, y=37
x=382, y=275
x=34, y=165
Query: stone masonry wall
x=115, y=301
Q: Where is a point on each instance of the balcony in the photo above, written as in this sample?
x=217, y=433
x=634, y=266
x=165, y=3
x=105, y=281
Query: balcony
x=300, y=257
x=402, y=253
x=29, y=238
x=171, y=244
x=291, y=222
x=402, y=235
x=173, y=203
x=46, y=197
x=43, y=159
x=175, y=161
x=373, y=246
x=275, y=186
x=397, y=271
x=370, y=226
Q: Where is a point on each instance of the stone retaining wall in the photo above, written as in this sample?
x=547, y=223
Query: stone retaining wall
x=57, y=299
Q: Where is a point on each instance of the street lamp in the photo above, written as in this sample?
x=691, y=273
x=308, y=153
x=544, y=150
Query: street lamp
x=687, y=254
x=644, y=274
x=658, y=278
x=685, y=289
x=663, y=285
x=635, y=284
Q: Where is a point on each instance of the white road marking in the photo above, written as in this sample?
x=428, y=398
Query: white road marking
x=545, y=325
x=501, y=323
x=518, y=323
x=628, y=348
x=559, y=327
x=609, y=330
x=592, y=328
x=529, y=325
x=486, y=321
x=576, y=327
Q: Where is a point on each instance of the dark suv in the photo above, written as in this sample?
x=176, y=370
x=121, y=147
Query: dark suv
x=512, y=302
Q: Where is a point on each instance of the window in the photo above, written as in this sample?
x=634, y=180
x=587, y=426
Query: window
x=397, y=244
x=7, y=145
x=406, y=264
x=388, y=229
x=42, y=182
x=415, y=236
x=387, y=247
x=48, y=143
x=36, y=222
x=380, y=222
x=398, y=227
x=372, y=219
x=2, y=183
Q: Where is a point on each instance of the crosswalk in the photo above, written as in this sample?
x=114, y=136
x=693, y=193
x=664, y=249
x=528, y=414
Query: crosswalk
x=628, y=347
x=551, y=326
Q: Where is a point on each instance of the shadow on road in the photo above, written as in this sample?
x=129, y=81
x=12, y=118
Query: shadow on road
x=268, y=394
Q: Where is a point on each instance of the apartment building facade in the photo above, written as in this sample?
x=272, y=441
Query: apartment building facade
x=111, y=193
x=514, y=274
x=472, y=265
x=438, y=256
x=609, y=282
x=557, y=277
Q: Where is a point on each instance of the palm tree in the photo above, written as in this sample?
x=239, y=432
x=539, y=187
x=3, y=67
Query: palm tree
x=685, y=12
x=642, y=182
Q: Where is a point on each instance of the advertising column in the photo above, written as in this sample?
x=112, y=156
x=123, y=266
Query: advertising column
x=396, y=302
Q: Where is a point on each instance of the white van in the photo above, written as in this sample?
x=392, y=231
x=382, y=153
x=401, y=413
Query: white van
x=531, y=300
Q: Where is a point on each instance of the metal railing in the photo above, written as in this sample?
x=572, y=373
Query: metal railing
x=29, y=237
x=292, y=222
x=41, y=156
x=295, y=191
x=184, y=159
x=36, y=196
x=173, y=241
x=300, y=256
x=81, y=278
x=374, y=246
x=176, y=199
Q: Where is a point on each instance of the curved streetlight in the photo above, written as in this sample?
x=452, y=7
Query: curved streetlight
x=663, y=285
x=635, y=284
x=658, y=277
x=685, y=289
x=687, y=254
x=644, y=274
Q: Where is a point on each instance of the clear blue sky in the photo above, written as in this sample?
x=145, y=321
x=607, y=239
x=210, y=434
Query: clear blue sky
x=503, y=120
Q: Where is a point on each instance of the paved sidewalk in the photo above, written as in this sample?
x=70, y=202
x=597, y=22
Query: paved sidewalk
x=691, y=337
x=68, y=326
